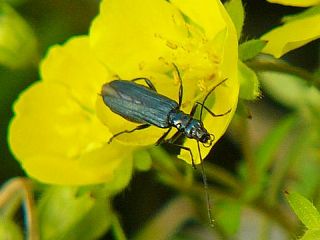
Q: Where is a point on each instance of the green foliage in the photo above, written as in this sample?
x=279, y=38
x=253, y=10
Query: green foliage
x=249, y=84
x=64, y=214
x=264, y=158
x=236, y=11
x=18, y=44
x=15, y=2
x=9, y=230
x=305, y=210
x=121, y=179
x=250, y=49
x=312, y=234
x=228, y=213
x=307, y=13
x=290, y=90
x=268, y=149
x=142, y=160
x=307, y=213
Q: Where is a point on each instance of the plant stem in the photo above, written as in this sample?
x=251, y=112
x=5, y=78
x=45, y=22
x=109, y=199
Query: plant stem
x=263, y=63
x=247, y=152
x=17, y=188
x=175, y=180
x=117, y=228
x=214, y=173
x=168, y=220
x=281, y=168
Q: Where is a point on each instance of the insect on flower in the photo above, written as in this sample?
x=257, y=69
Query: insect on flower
x=140, y=104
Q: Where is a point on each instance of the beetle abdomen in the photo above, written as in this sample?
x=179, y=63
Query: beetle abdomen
x=137, y=103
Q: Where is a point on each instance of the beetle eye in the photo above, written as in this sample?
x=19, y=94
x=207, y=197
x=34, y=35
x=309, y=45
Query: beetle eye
x=209, y=140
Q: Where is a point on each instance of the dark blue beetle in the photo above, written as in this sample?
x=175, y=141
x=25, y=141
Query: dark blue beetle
x=140, y=104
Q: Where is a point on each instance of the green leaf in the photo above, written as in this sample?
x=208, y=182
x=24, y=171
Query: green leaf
x=265, y=153
x=66, y=215
x=9, y=230
x=312, y=234
x=270, y=145
x=312, y=11
x=308, y=174
x=94, y=224
x=305, y=210
x=250, y=49
x=237, y=14
x=306, y=166
x=228, y=216
x=243, y=110
x=60, y=209
x=249, y=84
x=292, y=160
x=142, y=160
x=121, y=179
x=290, y=90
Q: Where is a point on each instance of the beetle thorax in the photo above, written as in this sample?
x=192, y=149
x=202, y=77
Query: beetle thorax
x=190, y=127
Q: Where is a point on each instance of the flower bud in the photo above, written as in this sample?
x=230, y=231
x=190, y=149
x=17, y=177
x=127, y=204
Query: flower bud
x=18, y=45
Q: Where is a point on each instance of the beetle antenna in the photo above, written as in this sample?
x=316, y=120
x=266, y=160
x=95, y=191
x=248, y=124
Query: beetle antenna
x=206, y=189
x=208, y=94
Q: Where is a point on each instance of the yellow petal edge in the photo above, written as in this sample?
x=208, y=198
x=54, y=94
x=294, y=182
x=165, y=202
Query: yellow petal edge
x=292, y=35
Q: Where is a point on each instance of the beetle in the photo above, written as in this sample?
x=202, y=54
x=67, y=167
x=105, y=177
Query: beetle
x=140, y=104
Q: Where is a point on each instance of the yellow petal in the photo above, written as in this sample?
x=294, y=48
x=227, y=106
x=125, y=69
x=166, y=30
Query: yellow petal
x=75, y=66
x=204, y=14
x=292, y=35
x=137, y=39
x=296, y=3
x=131, y=36
x=97, y=166
x=224, y=97
x=57, y=141
x=131, y=46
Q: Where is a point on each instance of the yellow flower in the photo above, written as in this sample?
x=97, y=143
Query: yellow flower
x=296, y=3
x=143, y=38
x=292, y=35
x=61, y=127
x=56, y=134
x=297, y=30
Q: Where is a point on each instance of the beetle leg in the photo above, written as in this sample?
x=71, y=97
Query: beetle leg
x=194, y=108
x=189, y=150
x=148, y=82
x=196, y=104
x=208, y=94
x=162, y=138
x=143, y=126
x=212, y=113
x=175, y=137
